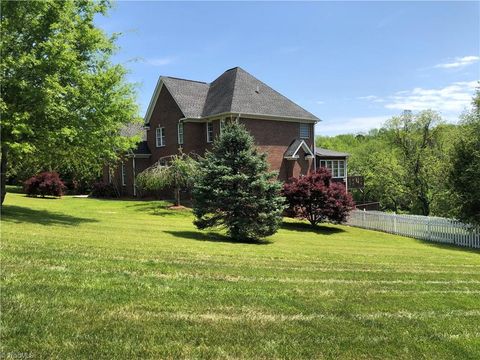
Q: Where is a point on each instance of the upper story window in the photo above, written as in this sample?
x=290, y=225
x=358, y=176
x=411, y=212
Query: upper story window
x=180, y=133
x=124, y=174
x=304, y=131
x=336, y=167
x=160, y=136
x=209, y=132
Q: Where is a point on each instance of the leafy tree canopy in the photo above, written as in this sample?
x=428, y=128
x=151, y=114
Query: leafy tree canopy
x=63, y=102
x=464, y=175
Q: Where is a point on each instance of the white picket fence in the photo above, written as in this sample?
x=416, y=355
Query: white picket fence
x=428, y=228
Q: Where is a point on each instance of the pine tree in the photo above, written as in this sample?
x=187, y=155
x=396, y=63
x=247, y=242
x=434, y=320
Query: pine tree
x=235, y=190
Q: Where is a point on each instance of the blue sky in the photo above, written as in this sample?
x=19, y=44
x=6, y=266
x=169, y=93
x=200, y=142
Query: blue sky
x=353, y=64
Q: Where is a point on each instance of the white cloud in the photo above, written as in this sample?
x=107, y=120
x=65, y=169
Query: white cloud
x=320, y=102
x=459, y=62
x=452, y=98
x=372, y=98
x=351, y=125
x=161, y=61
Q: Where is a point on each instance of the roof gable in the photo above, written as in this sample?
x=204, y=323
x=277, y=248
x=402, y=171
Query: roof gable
x=189, y=95
x=295, y=146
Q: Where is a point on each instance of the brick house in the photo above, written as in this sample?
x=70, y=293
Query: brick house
x=186, y=115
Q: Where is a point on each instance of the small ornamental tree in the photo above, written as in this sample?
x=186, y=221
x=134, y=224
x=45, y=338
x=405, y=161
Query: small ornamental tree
x=44, y=184
x=235, y=190
x=178, y=174
x=316, y=198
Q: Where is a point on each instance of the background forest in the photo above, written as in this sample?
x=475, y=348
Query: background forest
x=416, y=163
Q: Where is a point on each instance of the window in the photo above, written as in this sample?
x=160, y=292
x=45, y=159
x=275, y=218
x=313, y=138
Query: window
x=209, y=132
x=304, y=131
x=180, y=133
x=124, y=175
x=336, y=167
x=160, y=136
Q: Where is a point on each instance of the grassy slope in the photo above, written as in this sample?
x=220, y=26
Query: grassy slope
x=103, y=279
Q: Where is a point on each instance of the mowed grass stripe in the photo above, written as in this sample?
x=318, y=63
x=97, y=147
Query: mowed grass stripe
x=85, y=278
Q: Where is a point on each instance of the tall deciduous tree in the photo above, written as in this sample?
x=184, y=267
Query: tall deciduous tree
x=417, y=138
x=63, y=103
x=235, y=190
x=464, y=177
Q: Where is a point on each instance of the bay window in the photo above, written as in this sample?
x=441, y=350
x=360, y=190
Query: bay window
x=336, y=167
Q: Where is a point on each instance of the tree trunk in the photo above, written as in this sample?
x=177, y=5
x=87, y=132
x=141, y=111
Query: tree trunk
x=177, y=196
x=3, y=169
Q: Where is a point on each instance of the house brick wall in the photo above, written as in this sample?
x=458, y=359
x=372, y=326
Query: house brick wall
x=166, y=113
x=271, y=137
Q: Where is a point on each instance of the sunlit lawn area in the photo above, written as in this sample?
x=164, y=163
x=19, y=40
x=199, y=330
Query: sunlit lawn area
x=85, y=278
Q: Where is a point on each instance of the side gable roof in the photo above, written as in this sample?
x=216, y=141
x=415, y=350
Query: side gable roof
x=292, y=151
x=329, y=153
x=189, y=95
x=235, y=91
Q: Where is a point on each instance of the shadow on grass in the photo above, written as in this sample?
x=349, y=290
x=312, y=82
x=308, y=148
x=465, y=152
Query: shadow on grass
x=159, y=208
x=213, y=237
x=19, y=214
x=447, y=246
x=306, y=227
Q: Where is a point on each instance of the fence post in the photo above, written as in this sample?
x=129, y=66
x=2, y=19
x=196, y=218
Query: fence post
x=394, y=223
x=429, y=237
x=363, y=217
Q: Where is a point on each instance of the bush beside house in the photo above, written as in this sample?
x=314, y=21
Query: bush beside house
x=316, y=198
x=44, y=184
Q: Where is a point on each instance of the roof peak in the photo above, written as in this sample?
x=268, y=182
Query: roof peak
x=177, y=78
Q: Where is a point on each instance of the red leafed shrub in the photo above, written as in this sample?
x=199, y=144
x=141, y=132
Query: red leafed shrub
x=316, y=198
x=44, y=184
x=102, y=189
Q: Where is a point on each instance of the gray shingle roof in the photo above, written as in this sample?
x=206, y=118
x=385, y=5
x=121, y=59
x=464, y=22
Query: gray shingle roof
x=292, y=148
x=235, y=91
x=331, y=153
x=190, y=95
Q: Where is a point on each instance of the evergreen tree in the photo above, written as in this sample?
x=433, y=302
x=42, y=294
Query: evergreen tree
x=235, y=190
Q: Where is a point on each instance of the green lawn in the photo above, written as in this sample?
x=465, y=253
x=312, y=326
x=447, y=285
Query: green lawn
x=84, y=278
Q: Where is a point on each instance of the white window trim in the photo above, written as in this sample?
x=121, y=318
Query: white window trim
x=180, y=126
x=338, y=161
x=123, y=174
x=300, y=131
x=209, y=138
x=161, y=138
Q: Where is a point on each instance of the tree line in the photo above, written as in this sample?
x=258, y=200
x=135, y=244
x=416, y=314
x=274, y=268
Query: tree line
x=418, y=163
